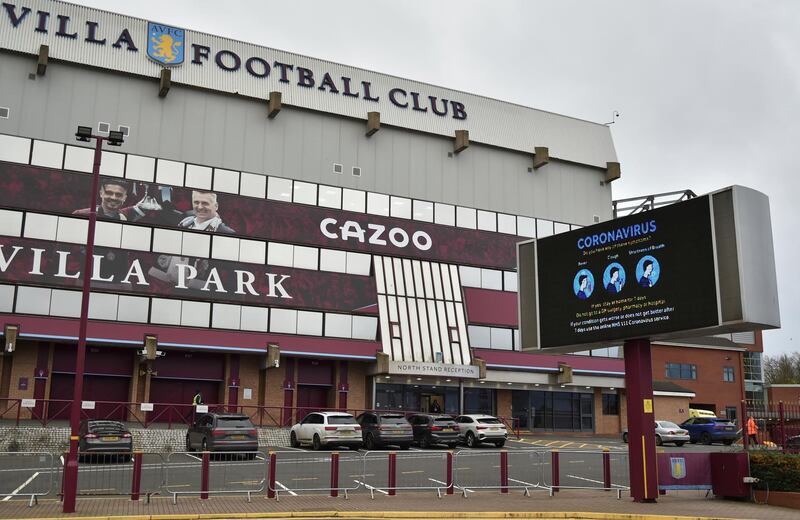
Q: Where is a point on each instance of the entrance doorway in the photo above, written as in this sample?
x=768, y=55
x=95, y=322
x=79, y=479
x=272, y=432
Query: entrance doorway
x=432, y=403
x=311, y=399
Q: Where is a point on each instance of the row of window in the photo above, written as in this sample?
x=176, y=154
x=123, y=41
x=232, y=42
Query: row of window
x=165, y=311
x=169, y=241
x=162, y=171
x=689, y=372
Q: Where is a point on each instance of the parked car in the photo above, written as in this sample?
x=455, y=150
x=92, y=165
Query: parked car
x=105, y=438
x=793, y=443
x=710, y=429
x=699, y=412
x=382, y=429
x=478, y=428
x=320, y=429
x=222, y=432
x=666, y=431
x=430, y=429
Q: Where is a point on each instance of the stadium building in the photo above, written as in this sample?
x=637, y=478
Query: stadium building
x=282, y=233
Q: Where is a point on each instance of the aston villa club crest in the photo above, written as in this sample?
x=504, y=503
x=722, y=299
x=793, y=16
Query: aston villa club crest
x=165, y=44
x=677, y=467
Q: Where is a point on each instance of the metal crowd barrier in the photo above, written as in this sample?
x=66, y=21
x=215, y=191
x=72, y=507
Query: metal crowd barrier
x=313, y=472
x=504, y=470
x=213, y=473
x=111, y=473
x=595, y=471
x=388, y=471
x=26, y=474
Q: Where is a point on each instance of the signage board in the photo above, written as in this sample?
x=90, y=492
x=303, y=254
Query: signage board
x=146, y=407
x=419, y=368
x=29, y=403
x=201, y=408
x=681, y=270
x=87, y=405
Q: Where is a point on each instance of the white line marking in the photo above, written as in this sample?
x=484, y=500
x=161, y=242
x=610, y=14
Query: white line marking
x=6, y=499
x=522, y=482
x=195, y=457
x=370, y=487
x=445, y=484
x=575, y=461
x=596, y=481
x=286, y=489
x=62, y=460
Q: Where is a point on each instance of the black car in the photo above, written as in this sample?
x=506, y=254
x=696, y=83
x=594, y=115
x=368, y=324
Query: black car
x=104, y=440
x=430, y=429
x=383, y=429
x=793, y=443
x=222, y=432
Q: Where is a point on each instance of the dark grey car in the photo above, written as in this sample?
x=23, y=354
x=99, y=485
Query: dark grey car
x=105, y=439
x=222, y=432
x=432, y=429
x=383, y=429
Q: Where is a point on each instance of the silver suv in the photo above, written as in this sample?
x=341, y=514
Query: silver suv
x=477, y=428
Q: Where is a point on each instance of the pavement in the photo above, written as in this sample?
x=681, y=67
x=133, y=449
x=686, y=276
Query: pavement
x=579, y=504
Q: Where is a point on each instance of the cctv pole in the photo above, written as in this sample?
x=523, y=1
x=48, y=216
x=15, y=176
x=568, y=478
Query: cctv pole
x=71, y=464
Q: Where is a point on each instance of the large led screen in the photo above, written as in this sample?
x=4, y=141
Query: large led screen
x=633, y=277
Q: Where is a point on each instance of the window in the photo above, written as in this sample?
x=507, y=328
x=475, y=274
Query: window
x=727, y=374
x=610, y=404
x=681, y=371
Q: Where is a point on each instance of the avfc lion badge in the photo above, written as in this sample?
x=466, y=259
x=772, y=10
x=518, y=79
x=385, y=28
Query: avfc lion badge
x=165, y=44
x=677, y=467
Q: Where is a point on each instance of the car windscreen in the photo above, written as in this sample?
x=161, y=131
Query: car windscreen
x=393, y=419
x=489, y=420
x=668, y=425
x=106, y=427
x=341, y=419
x=234, y=422
x=443, y=420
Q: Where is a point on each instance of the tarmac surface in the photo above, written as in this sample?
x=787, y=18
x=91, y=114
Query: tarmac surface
x=565, y=504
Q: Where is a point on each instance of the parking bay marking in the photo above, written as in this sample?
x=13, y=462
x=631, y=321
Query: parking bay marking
x=6, y=499
x=371, y=488
x=284, y=488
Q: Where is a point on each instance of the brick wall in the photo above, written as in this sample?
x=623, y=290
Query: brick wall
x=623, y=410
x=789, y=395
x=675, y=409
x=604, y=424
x=248, y=378
x=357, y=379
x=274, y=394
x=709, y=388
x=23, y=364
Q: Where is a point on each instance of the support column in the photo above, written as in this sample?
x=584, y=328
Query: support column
x=641, y=433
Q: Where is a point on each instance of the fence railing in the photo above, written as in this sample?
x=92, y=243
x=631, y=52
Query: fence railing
x=777, y=425
x=26, y=474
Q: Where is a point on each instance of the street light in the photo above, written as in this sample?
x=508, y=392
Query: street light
x=84, y=134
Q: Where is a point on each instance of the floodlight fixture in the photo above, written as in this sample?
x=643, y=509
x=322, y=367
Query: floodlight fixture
x=84, y=133
x=115, y=138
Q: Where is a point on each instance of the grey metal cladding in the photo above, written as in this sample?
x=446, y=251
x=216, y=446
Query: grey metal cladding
x=208, y=128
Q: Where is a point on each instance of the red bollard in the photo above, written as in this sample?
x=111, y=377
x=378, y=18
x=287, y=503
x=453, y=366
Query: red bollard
x=449, y=473
x=204, y=475
x=136, y=479
x=392, y=473
x=271, y=479
x=335, y=474
x=606, y=469
x=554, y=467
x=504, y=471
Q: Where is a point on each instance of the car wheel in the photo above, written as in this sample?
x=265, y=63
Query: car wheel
x=188, y=444
x=679, y=443
x=316, y=445
x=500, y=444
x=692, y=441
x=727, y=443
x=625, y=437
x=472, y=442
x=369, y=443
x=204, y=445
x=659, y=441
x=705, y=438
x=425, y=443
x=293, y=442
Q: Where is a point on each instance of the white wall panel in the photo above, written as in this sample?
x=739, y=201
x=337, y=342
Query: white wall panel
x=45, y=153
x=10, y=223
x=15, y=149
x=7, y=298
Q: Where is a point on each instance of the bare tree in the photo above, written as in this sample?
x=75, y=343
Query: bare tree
x=782, y=369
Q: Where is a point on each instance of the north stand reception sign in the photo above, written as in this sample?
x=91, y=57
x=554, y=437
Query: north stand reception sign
x=703, y=266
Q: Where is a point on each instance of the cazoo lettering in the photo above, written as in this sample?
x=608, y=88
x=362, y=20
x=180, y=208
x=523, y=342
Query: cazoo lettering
x=375, y=234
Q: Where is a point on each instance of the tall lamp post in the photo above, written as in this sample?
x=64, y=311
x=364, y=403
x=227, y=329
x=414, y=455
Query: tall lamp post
x=114, y=138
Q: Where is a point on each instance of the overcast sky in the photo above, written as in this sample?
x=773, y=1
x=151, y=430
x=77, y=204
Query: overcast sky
x=708, y=91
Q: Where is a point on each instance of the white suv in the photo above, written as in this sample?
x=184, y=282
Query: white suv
x=320, y=429
x=478, y=428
